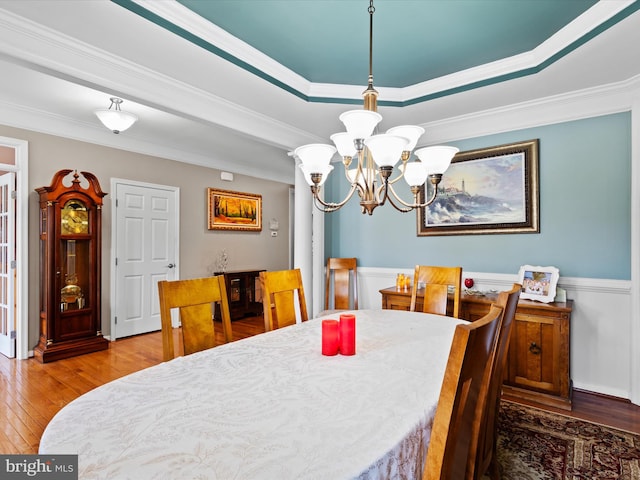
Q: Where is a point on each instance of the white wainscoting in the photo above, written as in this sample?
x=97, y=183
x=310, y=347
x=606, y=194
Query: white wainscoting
x=601, y=348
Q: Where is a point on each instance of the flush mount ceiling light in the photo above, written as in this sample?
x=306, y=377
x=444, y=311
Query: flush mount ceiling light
x=377, y=156
x=116, y=120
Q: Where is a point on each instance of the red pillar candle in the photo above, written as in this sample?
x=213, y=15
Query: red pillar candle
x=330, y=337
x=347, y=334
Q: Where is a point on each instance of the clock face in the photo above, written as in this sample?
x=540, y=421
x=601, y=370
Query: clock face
x=74, y=218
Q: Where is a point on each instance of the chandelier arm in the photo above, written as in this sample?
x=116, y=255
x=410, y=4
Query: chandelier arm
x=399, y=177
x=365, y=187
x=434, y=182
x=400, y=200
x=404, y=159
x=331, y=206
x=381, y=194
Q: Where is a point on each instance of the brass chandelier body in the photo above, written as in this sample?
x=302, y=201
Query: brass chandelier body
x=376, y=157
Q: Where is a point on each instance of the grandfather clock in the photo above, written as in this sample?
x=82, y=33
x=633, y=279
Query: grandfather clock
x=70, y=267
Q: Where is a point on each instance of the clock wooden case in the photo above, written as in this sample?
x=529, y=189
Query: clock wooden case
x=70, y=267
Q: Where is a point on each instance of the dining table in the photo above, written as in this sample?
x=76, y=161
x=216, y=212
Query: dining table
x=270, y=406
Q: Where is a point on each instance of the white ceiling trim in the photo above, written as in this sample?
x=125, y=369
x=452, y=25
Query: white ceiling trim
x=181, y=16
x=591, y=102
x=19, y=116
x=65, y=57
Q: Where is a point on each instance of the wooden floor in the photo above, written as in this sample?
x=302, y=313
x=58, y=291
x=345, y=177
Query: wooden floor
x=31, y=393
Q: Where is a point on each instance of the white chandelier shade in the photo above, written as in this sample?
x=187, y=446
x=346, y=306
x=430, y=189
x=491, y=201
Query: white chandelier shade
x=315, y=156
x=364, y=176
x=414, y=173
x=344, y=143
x=436, y=159
x=360, y=123
x=410, y=132
x=386, y=149
x=325, y=170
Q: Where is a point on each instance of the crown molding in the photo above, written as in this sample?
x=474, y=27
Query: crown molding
x=576, y=105
x=46, y=50
x=194, y=28
x=19, y=116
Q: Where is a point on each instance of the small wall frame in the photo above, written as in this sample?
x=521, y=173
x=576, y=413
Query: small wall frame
x=538, y=283
x=229, y=210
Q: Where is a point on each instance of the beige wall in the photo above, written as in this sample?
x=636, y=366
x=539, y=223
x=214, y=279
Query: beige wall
x=199, y=247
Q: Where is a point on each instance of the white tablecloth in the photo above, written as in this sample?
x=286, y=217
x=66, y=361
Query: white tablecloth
x=269, y=407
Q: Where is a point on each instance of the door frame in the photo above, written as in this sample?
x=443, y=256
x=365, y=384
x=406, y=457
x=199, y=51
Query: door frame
x=21, y=169
x=114, y=238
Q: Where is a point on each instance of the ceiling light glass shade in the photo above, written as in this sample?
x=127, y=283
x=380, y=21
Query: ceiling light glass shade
x=351, y=174
x=315, y=156
x=436, y=159
x=360, y=123
x=411, y=132
x=116, y=120
x=415, y=173
x=325, y=170
x=344, y=143
x=386, y=149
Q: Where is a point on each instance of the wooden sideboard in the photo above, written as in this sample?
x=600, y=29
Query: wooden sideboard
x=243, y=297
x=538, y=366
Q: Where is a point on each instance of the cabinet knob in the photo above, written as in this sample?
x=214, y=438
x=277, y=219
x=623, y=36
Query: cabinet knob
x=534, y=348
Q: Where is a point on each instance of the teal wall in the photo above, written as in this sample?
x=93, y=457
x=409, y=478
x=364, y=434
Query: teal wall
x=585, y=211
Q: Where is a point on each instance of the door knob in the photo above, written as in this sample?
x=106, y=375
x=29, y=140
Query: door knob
x=171, y=265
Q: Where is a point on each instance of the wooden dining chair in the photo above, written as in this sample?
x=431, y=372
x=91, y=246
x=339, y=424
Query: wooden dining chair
x=486, y=461
x=279, y=289
x=195, y=299
x=456, y=425
x=344, y=273
x=436, y=287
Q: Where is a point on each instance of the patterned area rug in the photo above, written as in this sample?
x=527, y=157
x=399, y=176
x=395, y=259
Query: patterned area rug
x=538, y=445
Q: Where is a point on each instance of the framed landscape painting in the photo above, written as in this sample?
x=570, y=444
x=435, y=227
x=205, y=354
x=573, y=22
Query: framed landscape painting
x=490, y=190
x=230, y=210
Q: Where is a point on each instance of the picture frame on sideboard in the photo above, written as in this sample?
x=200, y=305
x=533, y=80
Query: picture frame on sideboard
x=538, y=283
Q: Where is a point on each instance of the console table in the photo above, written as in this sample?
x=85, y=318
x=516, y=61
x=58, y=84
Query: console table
x=244, y=300
x=538, y=365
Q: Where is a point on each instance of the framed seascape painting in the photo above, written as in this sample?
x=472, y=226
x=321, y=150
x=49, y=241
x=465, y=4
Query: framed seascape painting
x=538, y=283
x=230, y=210
x=490, y=190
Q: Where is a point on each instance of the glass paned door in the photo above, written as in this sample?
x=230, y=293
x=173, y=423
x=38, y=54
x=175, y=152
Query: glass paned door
x=7, y=257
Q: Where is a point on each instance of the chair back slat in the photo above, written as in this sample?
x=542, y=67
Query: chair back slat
x=195, y=300
x=441, y=276
x=279, y=290
x=435, y=299
x=344, y=273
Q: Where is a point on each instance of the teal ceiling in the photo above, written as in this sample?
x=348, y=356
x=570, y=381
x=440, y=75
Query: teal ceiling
x=326, y=41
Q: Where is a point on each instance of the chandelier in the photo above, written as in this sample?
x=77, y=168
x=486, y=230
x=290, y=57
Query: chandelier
x=116, y=120
x=377, y=155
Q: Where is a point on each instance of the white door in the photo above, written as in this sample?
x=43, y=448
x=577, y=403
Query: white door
x=7, y=265
x=146, y=251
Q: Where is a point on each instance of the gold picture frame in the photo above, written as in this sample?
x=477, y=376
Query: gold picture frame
x=229, y=210
x=486, y=191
